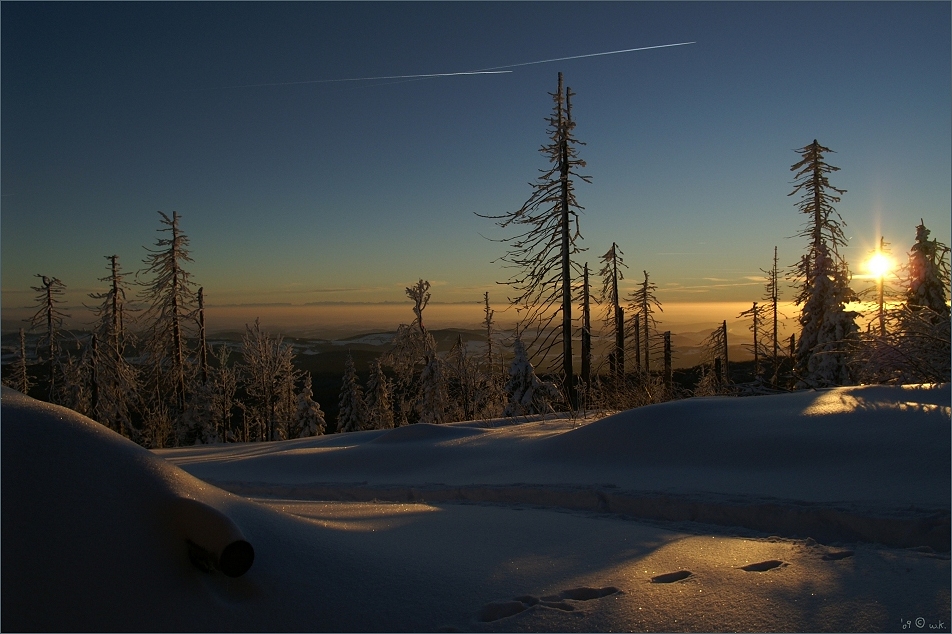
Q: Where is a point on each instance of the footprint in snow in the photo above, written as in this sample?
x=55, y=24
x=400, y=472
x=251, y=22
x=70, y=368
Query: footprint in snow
x=764, y=566
x=502, y=609
x=671, y=577
x=835, y=555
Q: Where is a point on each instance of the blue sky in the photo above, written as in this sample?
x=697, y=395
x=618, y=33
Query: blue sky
x=351, y=191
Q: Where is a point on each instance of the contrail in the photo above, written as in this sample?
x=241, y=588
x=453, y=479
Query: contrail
x=495, y=70
x=561, y=59
x=329, y=81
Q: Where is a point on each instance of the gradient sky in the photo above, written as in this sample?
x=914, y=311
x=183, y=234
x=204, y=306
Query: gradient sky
x=316, y=192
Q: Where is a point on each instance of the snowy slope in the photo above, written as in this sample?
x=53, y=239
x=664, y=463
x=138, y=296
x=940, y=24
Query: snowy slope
x=94, y=528
x=850, y=463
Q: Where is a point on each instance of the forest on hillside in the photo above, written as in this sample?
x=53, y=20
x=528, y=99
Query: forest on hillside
x=147, y=370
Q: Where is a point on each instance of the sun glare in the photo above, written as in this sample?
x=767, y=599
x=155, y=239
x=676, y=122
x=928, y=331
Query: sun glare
x=879, y=265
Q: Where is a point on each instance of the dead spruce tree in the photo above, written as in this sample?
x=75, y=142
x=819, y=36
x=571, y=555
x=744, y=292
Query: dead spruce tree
x=612, y=273
x=643, y=304
x=541, y=251
x=48, y=315
x=170, y=299
x=772, y=295
x=822, y=277
x=757, y=315
x=116, y=381
x=586, y=338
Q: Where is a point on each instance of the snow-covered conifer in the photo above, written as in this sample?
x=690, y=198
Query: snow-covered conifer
x=916, y=346
x=350, y=412
x=408, y=355
x=528, y=394
x=308, y=417
x=828, y=330
x=379, y=409
x=928, y=280
x=19, y=377
x=434, y=406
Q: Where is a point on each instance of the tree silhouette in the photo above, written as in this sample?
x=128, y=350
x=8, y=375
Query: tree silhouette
x=48, y=296
x=541, y=252
x=612, y=273
x=171, y=300
x=822, y=277
x=928, y=277
x=643, y=303
x=116, y=381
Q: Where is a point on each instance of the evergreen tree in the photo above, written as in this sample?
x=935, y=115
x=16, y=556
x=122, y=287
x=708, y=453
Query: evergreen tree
x=828, y=330
x=528, y=394
x=308, y=418
x=48, y=296
x=928, y=274
x=379, y=408
x=350, y=413
x=434, y=405
x=170, y=301
x=19, y=377
x=541, y=251
x=916, y=344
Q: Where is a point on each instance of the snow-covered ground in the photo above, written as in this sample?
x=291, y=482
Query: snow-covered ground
x=814, y=511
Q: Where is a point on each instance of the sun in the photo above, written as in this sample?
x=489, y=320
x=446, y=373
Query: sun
x=880, y=265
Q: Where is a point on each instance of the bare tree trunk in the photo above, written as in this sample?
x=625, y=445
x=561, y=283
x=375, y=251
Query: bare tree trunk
x=567, y=367
x=638, y=343
x=620, y=342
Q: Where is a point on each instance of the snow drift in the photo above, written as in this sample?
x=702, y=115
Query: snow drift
x=96, y=531
x=859, y=463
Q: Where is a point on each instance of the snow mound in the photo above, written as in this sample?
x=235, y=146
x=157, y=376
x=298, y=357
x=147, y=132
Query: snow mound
x=868, y=463
x=905, y=430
